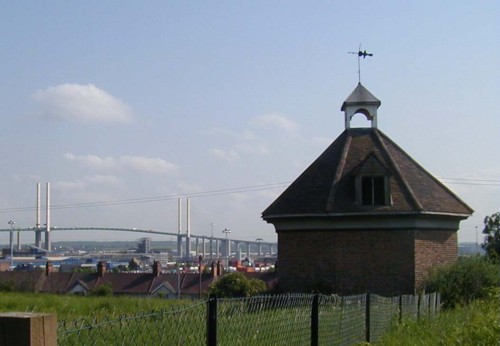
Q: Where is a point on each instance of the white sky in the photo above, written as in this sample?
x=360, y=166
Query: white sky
x=122, y=100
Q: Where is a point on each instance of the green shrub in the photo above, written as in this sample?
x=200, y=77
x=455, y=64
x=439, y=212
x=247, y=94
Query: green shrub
x=237, y=285
x=7, y=286
x=461, y=283
x=471, y=325
x=105, y=290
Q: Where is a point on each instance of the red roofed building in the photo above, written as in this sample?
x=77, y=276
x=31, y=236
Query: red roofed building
x=168, y=285
x=364, y=216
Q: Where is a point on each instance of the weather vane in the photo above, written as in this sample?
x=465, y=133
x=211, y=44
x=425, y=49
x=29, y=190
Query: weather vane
x=360, y=54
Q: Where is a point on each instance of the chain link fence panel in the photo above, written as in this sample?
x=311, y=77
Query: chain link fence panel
x=166, y=327
x=263, y=320
x=409, y=307
x=384, y=313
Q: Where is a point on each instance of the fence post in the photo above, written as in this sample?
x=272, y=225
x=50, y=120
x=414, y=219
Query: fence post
x=419, y=303
x=438, y=302
x=367, y=317
x=400, y=308
x=432, y=304
x=315, y=320
x=28, y=329
x=212, y=320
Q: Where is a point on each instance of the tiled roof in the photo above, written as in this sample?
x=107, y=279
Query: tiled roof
x=127, y=283
x=23, y=281
x=58, y=283
x=121, y=283
x=327, y=186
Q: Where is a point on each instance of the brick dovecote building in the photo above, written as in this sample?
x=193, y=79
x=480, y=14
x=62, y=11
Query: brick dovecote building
x=364, y=216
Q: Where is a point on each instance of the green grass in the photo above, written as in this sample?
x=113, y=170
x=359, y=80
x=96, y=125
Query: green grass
x=476, y=324
x=72, y=307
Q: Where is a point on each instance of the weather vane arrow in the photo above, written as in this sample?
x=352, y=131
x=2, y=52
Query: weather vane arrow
x=360, y=53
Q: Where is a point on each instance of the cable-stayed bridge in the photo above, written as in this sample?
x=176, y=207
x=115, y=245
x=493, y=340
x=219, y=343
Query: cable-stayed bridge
x=204, y=244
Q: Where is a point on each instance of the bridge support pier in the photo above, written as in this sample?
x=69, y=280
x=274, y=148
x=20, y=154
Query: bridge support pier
x=179, y=246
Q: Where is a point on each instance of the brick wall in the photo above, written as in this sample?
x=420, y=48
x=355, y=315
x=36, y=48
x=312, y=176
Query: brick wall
x=433, y=249
x=349, y=262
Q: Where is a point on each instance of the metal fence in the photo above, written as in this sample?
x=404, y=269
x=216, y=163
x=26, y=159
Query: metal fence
x=288, y=319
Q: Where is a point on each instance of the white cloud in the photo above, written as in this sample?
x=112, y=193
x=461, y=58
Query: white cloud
x=67, y=186
x=146, y=164
x=240, y=143
x=226, y=155
x=247, y=146
x=93, y=161
x=85, y=184
x=134, y=163
x=89, y=189
x=82, y=103
x=224, y=133
x=274, y=120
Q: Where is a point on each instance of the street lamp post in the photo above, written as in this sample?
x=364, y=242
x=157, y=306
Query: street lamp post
x=200, y=258
x=477, y=242
x=228, y=247
x=178, y=269
x=11, y=223
x=212, y=241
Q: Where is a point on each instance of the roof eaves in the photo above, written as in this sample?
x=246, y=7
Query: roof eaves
x=437, y=213
x=366, y=213
x=328, y=215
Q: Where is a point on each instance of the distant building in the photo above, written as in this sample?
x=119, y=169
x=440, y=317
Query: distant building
x=364, y=216
x=144, y=246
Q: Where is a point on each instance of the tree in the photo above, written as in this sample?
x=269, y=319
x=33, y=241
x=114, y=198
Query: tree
x=237, y=285
x=492, y=236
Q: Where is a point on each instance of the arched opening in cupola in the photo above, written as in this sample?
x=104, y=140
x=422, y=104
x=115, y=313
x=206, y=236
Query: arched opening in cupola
x=361, y=119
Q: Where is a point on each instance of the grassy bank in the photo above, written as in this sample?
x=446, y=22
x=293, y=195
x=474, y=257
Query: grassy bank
x=475, y=324
x=72, y=307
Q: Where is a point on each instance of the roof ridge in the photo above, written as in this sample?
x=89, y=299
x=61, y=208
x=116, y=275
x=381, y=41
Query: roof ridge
x=429, y=175
x=70, y=280
x=338, y=173
x=398, y=171
x=153, y=280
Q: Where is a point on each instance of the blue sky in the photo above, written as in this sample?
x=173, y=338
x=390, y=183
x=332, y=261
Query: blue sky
x=120, y=100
